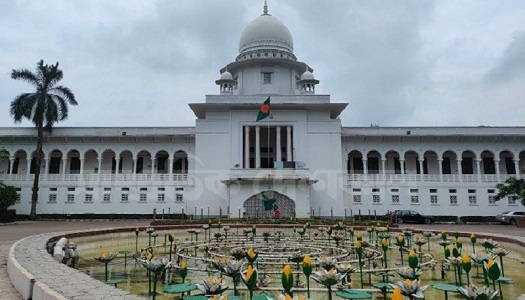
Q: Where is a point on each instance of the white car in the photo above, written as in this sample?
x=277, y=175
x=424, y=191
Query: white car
x=510, y=217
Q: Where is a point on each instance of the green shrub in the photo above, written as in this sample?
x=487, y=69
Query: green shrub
x=7, y=196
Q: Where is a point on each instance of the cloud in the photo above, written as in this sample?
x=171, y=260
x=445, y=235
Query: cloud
x=511, y=66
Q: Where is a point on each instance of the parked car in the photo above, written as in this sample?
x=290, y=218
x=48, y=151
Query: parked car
x=409, y=216
x=510, y=217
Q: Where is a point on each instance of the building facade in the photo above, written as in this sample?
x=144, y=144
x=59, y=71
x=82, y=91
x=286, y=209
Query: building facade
x=229, y=164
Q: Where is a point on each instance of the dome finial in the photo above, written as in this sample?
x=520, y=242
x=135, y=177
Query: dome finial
x=265, y=11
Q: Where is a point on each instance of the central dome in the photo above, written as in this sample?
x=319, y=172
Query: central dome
x=266, y=32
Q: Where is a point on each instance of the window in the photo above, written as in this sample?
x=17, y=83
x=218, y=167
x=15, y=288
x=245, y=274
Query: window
x=433, y=199
x=52, y=198
x=471, y=191
x=161, y=189
x=179, y=189
x=357, y=198
x=53, y=189
x=267, y=78
x=472, y=200
x=70, y=197
x=124, y=197
x=70, y=189
x=89, y=197
x=453, y=191
x=413, y=190
x=395, y=199
x=107, y=189
x=492, y=200
x=143, y=197
x=454, y=200
x=433, y=191
x=512, y=200
x=125, y=189
x=17, y=198
x=491, y=191
x=107, y=198
x=89, y=189
x=179, y=197
x=376, y=198
x=394, y=190
x=414, y=199
x=375, y=190
x=161, y=197
x=143, y=189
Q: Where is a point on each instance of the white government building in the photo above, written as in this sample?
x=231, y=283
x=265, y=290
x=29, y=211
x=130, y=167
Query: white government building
x=301, y=156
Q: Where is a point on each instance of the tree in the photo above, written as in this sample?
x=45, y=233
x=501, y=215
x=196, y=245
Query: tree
x=44, y=107
x=512, y=187
x=7, y=196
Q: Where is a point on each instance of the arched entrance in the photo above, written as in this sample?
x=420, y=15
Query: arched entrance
x=255, y=205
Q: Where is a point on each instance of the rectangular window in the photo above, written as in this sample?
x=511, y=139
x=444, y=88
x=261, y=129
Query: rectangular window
x=143, y=189
x=395, y=199
x=70, y=198
x=413, y=190
x=107, y=198
x=161, y=189
x=89, y=189
x=53, y=189
x=124, y=197
x=433, y=191
x=52, y=198
x=161, y=197
x=512, y=200
x=376, y=199
x=89, y=198
x=394, y=190
x=179, y=189
x=472, y=200
x=375, y=190
x=179, y=197
x=454, y=200
x=143, y=197
x=491, y=191
x=434, y=199
x=70, y=189
x=452, y=191
x=107, y=189
x=267, y=78
x=125, y=189
x=492, y=200
x=414, y=199
x=17, y=197
x=471, y=191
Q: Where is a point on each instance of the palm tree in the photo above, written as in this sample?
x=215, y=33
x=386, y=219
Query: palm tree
x=47, y=105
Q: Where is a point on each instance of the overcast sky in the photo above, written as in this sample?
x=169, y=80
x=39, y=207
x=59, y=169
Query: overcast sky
x=397, y=63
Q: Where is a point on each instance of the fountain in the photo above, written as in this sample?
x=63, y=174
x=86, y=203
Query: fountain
x=256, y=265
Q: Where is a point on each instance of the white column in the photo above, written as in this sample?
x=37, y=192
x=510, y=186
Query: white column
x=278, y=143
x=170, y=168
x=46, y=166
x=117, y=164
x=365, y=166
x=440, y=165
x=134, y=168
x=99, y=164
x=64, y=161
x=246, y=147
x=288, y=143
x=153, y=159
x=402, y=166
x=516, y=166
x=496, y=165
x=28, y=170
x=421, y=172
x=460, y=169
x=383, y=166
x=478, y=166
x=81, y=166
x=257, y=147
x=11, y=164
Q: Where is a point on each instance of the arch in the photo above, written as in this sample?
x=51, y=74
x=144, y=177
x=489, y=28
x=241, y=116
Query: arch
x=20, y=162
x=412, y=162
x=108, y=162
x=5, y=162
x=430, y=162
x=373, y=162
x=143, y=159
x=521, y=162
x=73, y=159
x=354, y=164
x=254, y=205
x=506, y=162
x=55, y=162
x=90, y=161
x=449, y=159
x=126, y=162
x=393, y=162
x=162, y=161
x=488, y=162
x=468, y=158
x=180, y=162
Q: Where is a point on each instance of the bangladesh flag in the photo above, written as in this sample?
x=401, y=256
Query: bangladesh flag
x=264, y=111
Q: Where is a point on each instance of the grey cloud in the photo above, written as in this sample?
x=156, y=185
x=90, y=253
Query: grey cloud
x=512, y=65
